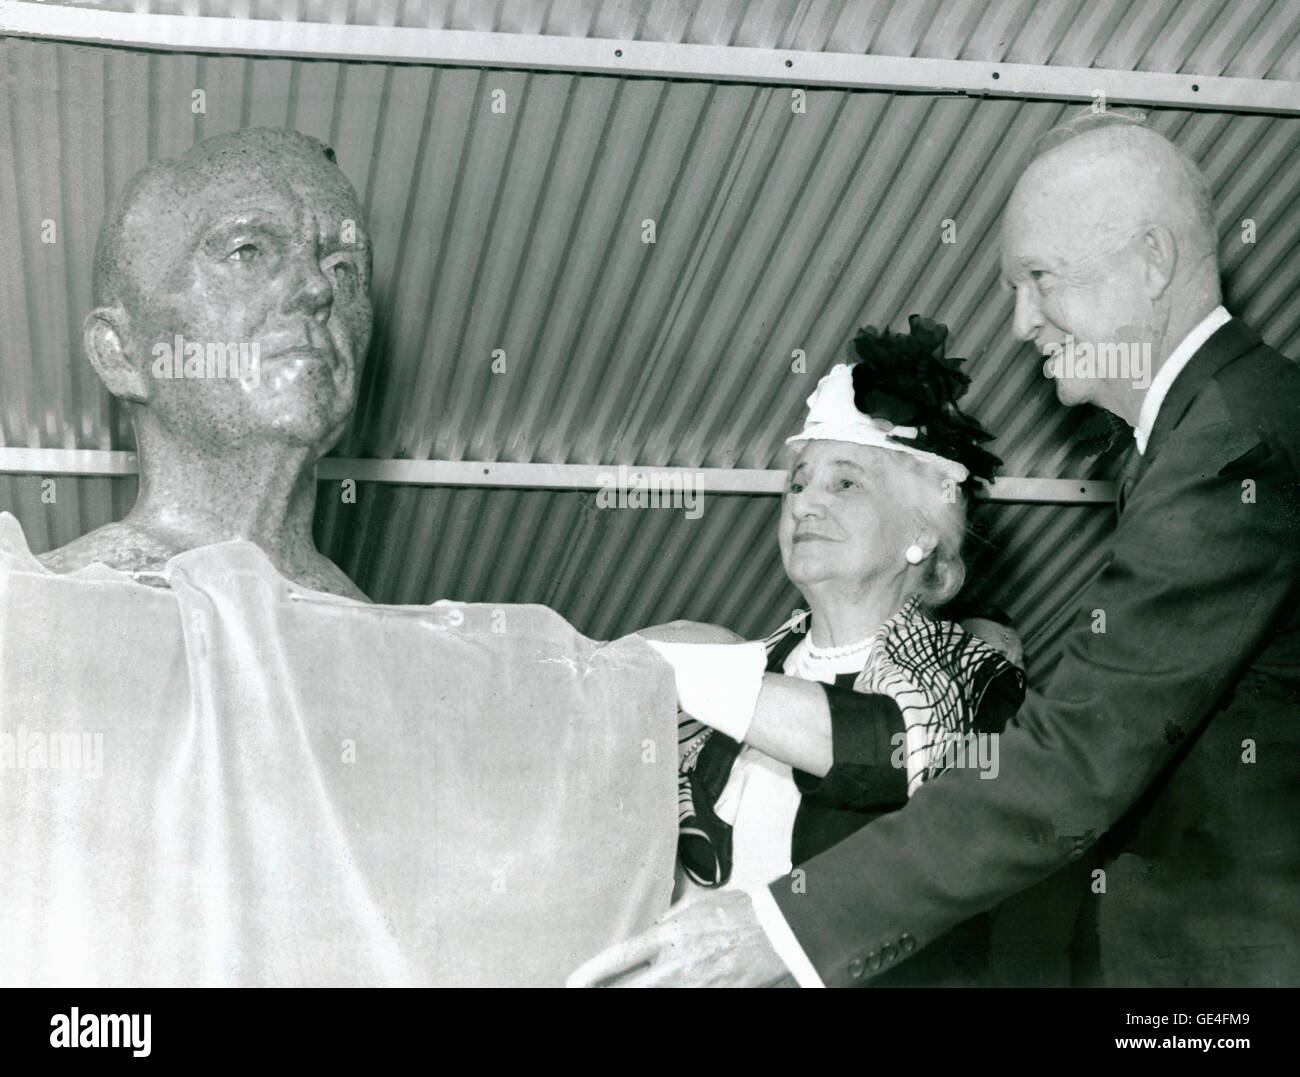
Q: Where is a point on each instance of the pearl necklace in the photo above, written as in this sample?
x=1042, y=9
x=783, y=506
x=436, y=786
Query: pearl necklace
x=824, y=654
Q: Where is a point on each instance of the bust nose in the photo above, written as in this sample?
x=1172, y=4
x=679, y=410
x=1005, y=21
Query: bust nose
x=309, y=291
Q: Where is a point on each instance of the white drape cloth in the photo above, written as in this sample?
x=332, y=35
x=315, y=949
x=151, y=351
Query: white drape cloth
x=291, y=788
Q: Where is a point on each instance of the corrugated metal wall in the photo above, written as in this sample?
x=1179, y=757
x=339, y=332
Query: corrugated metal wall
x=775, y=231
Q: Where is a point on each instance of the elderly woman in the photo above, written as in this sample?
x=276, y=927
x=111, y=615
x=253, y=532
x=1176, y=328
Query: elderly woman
x=777, y=769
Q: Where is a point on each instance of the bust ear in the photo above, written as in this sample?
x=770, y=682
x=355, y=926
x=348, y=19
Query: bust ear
x=104, y=338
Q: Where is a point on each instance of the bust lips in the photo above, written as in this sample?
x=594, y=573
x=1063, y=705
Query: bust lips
x=301, y=352
x=284, y=367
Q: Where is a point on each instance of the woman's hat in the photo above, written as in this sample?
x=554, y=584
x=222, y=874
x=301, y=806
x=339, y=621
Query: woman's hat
x=902, y=395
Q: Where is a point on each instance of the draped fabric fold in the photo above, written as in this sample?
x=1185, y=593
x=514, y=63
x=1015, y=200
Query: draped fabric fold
x=235, y=781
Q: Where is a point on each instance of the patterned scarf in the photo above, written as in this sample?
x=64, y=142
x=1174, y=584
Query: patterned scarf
x=935, y=671
x=938, y=674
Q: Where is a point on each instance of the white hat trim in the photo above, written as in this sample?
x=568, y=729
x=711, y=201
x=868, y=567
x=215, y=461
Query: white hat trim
x=868, y=433
x=833, y=416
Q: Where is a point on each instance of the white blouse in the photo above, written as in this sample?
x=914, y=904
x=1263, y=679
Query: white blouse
x=760, y=799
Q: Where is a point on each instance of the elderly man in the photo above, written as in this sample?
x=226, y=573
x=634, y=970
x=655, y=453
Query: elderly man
x=1170, y=728
x=251, y=240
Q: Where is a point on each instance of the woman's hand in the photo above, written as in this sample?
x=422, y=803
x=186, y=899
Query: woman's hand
x=718, y=674
x=785, y=717
x=690, y=632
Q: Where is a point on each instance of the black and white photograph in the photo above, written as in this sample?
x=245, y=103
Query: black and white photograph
x=648, y=493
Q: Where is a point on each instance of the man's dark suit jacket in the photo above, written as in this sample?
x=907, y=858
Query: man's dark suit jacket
x=1174, y=733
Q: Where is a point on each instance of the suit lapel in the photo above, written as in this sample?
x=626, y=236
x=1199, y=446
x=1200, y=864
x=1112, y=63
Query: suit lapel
x=1229, y=342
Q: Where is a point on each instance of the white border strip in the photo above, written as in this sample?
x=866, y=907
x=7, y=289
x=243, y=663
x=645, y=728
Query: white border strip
x=265, y=37
x=529, y=476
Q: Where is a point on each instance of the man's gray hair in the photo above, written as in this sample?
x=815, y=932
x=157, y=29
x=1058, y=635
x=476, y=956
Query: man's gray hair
x=1195, y=212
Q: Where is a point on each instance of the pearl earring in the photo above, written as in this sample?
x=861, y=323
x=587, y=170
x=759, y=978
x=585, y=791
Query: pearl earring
x=914, y=554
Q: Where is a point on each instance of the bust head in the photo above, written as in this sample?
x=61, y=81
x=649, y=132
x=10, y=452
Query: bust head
x=252, y=239
x=232, y=313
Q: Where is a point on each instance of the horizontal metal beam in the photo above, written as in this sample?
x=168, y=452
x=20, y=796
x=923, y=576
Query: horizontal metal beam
x=1053, y=491
x=68, y=462
x=266, y=37
x=537, y=476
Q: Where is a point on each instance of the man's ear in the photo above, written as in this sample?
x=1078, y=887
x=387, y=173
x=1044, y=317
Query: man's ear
x=1160, y=251
x=104, y=336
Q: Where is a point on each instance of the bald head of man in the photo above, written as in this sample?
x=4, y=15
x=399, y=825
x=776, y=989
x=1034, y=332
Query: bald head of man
x=1109, y=245
x=252, y=239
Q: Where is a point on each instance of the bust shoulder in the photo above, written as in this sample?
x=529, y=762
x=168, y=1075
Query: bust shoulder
x=118, y=545
x=128, y=548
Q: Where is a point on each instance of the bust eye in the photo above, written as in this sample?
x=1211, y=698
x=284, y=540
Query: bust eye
x=246, y=252
x=848, y=484
x=795, y=487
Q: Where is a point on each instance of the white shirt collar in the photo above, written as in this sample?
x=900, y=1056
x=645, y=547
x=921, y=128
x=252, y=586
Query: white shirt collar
x=1168, y=373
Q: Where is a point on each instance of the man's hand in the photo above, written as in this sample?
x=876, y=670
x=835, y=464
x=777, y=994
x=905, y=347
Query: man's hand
x=713, y=942
x=690, y=632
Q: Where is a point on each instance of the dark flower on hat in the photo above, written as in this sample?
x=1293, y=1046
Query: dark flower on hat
x=906, y=379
